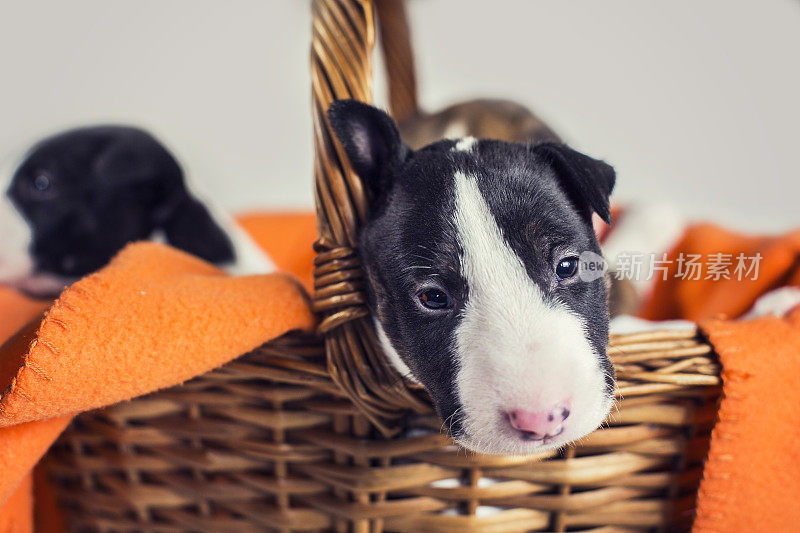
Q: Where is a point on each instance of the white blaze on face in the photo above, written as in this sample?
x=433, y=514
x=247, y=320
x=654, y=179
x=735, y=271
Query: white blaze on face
x=515, y=350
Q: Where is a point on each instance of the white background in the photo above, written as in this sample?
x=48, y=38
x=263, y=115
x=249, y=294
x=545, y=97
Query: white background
x=694, y=102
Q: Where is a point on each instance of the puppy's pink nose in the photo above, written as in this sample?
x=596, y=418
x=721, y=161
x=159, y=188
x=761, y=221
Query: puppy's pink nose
x=540, y=424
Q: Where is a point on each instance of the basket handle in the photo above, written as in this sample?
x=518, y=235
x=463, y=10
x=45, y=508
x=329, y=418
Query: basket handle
x=398, y=57
x=343, y=36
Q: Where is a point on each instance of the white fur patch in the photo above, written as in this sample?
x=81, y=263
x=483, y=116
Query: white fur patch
x=777, y=302
x=250, y=258
x=465, y=144
x=455, y=130
x=515, y=350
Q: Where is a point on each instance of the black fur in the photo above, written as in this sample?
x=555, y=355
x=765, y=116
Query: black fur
x=371, y=140
x=87, y=192
x=541, y=197
x=588, y=182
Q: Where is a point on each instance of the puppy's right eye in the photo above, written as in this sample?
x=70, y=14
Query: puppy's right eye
x=435, y=299
x=39, y=186
x=41, y=182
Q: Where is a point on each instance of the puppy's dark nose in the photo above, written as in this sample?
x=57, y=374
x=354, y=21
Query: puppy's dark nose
x=538, y=424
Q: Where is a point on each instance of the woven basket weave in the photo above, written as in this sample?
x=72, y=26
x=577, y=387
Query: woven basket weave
x=318, y=433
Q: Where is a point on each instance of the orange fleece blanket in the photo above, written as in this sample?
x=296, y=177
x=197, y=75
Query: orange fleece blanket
x=153, y=318
x=703, y=298
x=750, y=479
x=156, y=317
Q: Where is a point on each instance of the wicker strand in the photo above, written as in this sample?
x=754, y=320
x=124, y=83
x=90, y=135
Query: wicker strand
x=398, y=56
x=269, y=441
x=343, y=37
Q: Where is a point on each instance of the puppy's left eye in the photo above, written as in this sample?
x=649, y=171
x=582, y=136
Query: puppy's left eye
x=435, y=299
x=566, y=268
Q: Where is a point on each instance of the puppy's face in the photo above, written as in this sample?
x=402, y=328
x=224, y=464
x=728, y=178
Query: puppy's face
x=78, y=197
x=472, y=254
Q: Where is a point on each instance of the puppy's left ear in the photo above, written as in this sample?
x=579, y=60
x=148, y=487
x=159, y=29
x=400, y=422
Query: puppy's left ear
x=190, y=227
x=588, y=182
x=371, y=140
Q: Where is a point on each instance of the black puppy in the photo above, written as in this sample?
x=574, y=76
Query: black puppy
x=474, y=252
x=78, y=197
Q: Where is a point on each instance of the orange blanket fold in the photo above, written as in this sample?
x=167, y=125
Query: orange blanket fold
x=288, y=238
x=698, y=299
x=153, y=318
x=16, y=515
x=751, y=479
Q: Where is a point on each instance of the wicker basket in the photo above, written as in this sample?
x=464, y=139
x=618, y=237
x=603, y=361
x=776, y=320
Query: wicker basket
x=317, y=433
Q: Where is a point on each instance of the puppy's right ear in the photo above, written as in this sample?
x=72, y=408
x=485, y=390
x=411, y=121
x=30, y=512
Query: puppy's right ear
x=370, y=139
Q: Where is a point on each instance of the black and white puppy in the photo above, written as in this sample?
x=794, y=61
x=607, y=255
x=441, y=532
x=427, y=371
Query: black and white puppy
x=78, y=197
x=471, y=251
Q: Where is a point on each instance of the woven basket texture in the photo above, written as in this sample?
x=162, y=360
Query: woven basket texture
x=316, y=432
